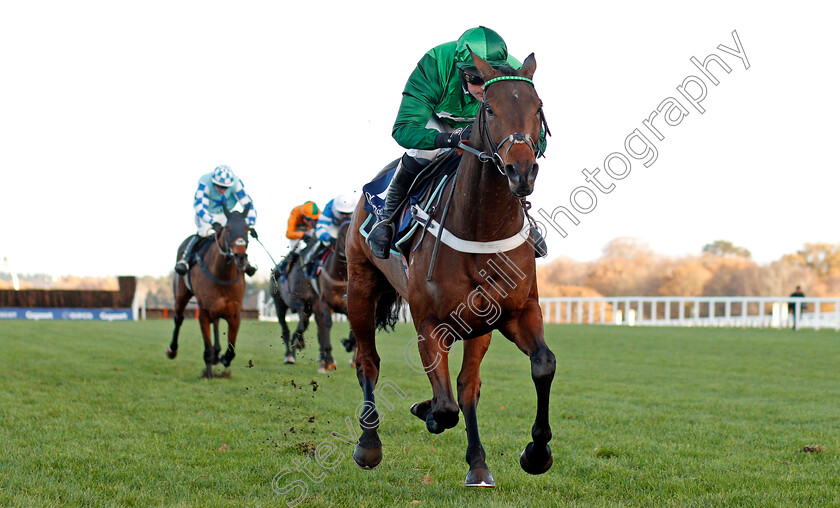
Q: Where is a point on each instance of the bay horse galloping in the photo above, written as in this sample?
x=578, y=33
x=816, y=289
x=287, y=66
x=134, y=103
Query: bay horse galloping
x=218, y=282
x=482, y=279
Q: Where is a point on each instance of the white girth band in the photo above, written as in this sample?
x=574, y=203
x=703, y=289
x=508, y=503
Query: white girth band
x=469, y=246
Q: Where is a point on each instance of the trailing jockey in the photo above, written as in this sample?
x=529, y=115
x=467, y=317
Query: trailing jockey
x=301, y=226
x=337, y=211
x=438, y=108
x=215, y=189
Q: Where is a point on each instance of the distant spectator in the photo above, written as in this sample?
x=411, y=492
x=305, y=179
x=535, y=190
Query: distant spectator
x=792, y=305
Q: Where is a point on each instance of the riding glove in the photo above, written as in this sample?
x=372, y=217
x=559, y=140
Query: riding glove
x=452, y=139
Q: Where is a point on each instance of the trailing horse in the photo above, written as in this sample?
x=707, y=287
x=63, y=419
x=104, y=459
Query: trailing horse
x=298, y=293
x=332, y=280
x=217, y=279
x=482, y=279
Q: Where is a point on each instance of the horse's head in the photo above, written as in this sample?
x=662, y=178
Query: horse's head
x=235, y=236
x=509, y=122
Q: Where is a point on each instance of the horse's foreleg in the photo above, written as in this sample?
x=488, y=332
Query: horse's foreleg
x=233, y=331
x=298, y=341
x=324, y=321
x=441, y=412
x=526, y=331
x=469, y=389
x=361, y=305
x=209, y=353
x=281, y=308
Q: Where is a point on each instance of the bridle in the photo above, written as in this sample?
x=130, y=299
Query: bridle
x=511, y=140
x=240, y=245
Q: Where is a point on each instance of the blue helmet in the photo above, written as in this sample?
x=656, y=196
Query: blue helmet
x=223, y=176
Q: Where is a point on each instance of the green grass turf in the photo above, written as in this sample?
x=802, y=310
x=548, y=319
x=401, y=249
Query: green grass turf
x=93, y=414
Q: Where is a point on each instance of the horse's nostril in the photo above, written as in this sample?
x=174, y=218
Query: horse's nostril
x=512, y=171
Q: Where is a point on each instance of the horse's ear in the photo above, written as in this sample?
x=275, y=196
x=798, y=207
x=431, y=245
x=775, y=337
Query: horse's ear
x=484, y=69
x=528, y=68
x=225, y=208
x=247, y=208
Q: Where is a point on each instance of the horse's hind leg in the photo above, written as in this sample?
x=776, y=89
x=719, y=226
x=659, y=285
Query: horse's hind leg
x=182, y=297
x=526, y=331
x=362, y=296
x=469, y=389
x=209, y=352
x=217, y=348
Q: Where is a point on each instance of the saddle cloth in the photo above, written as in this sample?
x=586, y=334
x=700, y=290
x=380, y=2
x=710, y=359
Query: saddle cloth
x=425, y=193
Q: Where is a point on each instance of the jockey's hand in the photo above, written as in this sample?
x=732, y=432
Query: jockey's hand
x=452, y=139
x=307, y=239
x=254, y=234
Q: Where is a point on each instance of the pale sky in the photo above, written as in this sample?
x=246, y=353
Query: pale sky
x=111, y=111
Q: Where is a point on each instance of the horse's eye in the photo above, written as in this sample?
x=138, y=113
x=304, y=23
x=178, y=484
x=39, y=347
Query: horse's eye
x=488, y=110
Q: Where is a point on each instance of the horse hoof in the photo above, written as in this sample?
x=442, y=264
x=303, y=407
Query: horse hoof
x=432, y=425
x=480, y=478
x=331, y=366
x=289, y=359
x=352, y=364
x=171, y=354
x=535, y=464
x=367, y=458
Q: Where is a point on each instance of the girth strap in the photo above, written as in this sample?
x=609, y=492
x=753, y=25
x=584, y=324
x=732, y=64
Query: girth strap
x=469, y=246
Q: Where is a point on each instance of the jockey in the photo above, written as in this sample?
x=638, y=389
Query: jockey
x=335, y=213
x=301, y=226
x=214, y=189
x=439, y=105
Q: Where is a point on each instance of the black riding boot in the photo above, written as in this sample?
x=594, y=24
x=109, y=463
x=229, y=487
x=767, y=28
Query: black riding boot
x=183, y=266
x=313, y=260
x=382, y=235
x=282, y=270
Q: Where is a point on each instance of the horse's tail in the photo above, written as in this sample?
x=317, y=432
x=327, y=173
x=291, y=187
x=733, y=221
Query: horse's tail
x=388, y=310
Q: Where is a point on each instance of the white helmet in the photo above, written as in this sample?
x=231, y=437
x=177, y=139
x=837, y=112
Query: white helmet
x=223, y=176
x=345, y=203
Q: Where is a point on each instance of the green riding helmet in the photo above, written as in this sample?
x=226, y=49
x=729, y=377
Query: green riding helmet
x=483, y=42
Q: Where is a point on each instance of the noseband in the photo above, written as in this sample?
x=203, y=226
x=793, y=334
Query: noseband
x=514, y=139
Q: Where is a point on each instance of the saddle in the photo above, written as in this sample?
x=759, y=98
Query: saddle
x=425, y=194
x=202, y=245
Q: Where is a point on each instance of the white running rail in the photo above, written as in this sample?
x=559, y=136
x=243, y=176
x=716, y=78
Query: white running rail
x=740, y=311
